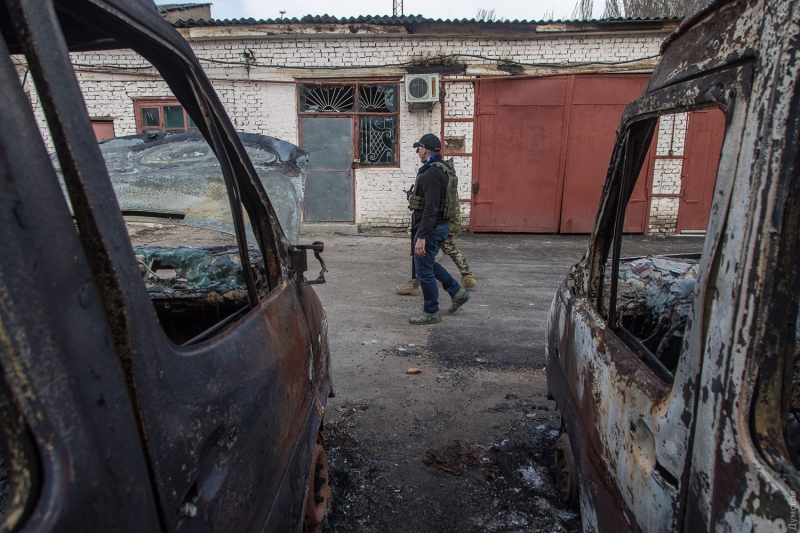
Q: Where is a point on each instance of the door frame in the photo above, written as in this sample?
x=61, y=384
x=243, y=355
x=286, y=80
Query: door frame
x=354, y=116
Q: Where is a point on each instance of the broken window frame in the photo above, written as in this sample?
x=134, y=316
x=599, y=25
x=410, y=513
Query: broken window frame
x=244, y=190
x=356, y=114
x=639, y=123
x=160, y=103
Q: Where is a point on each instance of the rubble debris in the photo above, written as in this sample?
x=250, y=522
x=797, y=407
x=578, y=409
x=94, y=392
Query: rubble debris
x=414, y=371
x=454, y=457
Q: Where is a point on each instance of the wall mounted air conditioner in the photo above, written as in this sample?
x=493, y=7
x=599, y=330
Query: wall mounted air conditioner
x=422, y=88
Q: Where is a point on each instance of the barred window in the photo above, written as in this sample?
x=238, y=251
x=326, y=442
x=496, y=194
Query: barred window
x=374, y=108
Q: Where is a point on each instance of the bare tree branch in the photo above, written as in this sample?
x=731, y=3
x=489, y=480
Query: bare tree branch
x=612, y=10
x=583, y=10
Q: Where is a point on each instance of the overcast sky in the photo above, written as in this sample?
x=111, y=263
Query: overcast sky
x=444, y=9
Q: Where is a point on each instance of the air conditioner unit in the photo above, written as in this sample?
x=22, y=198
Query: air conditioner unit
x=422, y=88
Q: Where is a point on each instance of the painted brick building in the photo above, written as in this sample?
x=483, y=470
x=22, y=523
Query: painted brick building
x=276, y=77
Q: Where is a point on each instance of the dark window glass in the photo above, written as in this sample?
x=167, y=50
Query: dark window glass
x=191, y=123
x=378, y=140
x=377, y=98
x=173, y=117
x=150, y=117
x=327, y=98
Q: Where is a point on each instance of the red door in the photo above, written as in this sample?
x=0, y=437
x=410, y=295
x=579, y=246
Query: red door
x=704, y=135
x=519, y=144
x=543, y=146
x=597, y=106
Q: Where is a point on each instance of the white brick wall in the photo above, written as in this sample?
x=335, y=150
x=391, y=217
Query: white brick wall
x=667, y=174
x=262, y=98
x=459, y=99
x=663, y=216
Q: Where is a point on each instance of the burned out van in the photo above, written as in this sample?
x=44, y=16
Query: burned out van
x=677, y=375
x=152, y=378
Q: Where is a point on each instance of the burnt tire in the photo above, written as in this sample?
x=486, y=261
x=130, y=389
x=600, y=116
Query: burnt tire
x=318, y=491
x=566, y=473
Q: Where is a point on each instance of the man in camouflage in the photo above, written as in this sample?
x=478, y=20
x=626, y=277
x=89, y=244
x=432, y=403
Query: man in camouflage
x=449, y=248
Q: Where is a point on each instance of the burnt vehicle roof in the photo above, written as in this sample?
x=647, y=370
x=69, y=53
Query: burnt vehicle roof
x=177, y=175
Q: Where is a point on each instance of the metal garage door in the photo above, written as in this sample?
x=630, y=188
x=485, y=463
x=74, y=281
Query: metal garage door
x=543, y=147
x=597, y=103
x=705, y=133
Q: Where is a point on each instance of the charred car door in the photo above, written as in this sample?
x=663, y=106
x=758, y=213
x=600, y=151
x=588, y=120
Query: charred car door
x=692, y=423
x=218, y=429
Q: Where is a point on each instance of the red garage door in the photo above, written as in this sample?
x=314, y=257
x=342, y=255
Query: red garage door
x=543, y=148
x=704, y=136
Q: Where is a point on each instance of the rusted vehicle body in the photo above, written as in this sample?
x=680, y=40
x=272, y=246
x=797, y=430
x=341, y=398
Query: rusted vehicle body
x=679, y=399
x=131, y=400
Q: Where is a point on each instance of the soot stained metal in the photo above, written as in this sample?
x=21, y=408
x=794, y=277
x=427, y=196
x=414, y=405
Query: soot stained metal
x=205, y=414
x=675, y=376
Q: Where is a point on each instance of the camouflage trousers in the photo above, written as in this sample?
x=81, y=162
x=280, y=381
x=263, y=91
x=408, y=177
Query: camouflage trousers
x=449, y=248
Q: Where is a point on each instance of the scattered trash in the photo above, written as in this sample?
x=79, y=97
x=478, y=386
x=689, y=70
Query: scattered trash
x=453, y=458
x=479, y=360
x=414, y=371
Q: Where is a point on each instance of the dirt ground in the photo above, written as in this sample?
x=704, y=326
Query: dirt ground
x=481, y=395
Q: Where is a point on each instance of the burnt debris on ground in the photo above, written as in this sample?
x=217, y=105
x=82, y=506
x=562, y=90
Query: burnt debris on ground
x=505, y=486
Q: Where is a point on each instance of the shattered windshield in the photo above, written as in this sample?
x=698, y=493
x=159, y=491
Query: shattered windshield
x=177, y=177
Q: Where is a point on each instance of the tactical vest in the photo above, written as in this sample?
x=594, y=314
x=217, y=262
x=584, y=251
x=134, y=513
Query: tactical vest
x=449, y=206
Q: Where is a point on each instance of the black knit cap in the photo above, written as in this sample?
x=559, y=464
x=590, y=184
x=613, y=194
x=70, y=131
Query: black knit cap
x=430, y=142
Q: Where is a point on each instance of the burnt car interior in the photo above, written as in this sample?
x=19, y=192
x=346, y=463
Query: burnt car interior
x=170, y=189
x=647, y=299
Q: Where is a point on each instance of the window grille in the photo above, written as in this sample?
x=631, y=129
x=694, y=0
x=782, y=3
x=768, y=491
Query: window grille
x=374, y=109
x=327, y=98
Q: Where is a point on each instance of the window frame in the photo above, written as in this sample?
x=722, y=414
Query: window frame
x=643, y=112
x=355, y=114
x=142, y=103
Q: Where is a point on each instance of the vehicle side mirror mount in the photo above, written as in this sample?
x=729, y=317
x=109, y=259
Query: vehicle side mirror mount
x=298, y=262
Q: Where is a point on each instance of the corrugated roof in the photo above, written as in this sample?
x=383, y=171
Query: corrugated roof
x=402, y=20
x=166, y=8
